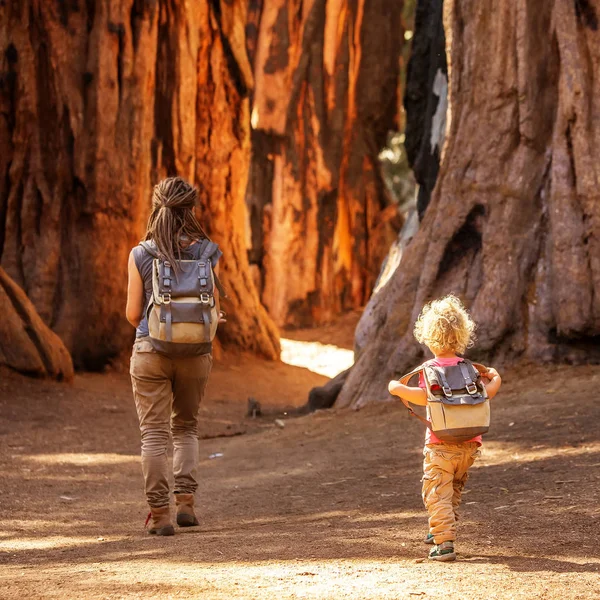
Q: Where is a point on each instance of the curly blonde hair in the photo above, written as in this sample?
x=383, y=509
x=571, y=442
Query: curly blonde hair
x=444, y=325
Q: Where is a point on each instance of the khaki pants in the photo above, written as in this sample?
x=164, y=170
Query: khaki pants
x=167, y=393
x=445, y=472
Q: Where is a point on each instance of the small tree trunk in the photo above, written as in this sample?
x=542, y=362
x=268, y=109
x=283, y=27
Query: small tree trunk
x=513, y=222
x=326, y=96
x=98, y=100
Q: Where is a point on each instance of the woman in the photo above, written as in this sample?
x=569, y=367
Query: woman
x=168, y=389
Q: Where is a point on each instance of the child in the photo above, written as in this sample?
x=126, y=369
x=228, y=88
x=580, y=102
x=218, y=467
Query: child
x=446, y=328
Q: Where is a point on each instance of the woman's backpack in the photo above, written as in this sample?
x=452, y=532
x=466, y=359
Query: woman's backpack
x=182, y=313
x=458, y=407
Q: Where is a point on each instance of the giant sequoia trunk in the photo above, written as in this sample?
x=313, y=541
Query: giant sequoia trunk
x=98, y=100
x=326, y=75
x=513, y=225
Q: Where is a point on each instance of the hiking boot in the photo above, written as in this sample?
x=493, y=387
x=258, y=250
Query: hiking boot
x=443, y=552
x=186, y=517
x=160, y=521
x=429, y=539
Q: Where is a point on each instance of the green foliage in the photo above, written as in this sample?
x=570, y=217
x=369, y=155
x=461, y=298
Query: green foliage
x=397, y=174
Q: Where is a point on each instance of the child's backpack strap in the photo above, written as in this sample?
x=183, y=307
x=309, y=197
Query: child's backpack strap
x=404, y=381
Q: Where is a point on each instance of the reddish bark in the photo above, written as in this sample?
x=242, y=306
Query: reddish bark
x=97, y=101
x=513, y=223
x=326, y=80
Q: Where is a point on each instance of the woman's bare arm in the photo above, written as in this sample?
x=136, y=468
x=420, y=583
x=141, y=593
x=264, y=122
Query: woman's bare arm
x=135, y=294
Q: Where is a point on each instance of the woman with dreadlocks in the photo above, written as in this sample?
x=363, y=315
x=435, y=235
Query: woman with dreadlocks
x=168, y=386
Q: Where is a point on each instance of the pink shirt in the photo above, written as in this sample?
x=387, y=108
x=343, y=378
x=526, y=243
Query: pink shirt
x=430, y=437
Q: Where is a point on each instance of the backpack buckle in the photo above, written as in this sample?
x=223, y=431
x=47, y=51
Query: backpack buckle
x=205, y=298
x=166, y=298
x=447, y=391
x=472, y=389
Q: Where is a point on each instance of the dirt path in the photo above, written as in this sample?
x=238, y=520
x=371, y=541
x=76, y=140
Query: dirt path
x=327, y=507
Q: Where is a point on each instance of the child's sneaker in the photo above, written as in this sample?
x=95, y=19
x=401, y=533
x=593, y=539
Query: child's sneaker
x=429, y=539
x=443, y=552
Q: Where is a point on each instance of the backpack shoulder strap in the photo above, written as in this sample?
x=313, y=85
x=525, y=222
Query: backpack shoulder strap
x=207, y=250
x=404, y=380
x=147, y=246
x=468, y=371
x=441, y=373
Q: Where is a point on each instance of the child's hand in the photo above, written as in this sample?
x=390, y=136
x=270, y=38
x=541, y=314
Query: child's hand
x=493, y=382
x=489, y=374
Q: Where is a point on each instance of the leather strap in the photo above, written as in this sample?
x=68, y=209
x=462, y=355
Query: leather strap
x=168, y=321
x=464, y=369
x=206, y=319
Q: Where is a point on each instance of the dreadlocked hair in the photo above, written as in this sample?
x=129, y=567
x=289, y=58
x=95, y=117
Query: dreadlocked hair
x=172, y=224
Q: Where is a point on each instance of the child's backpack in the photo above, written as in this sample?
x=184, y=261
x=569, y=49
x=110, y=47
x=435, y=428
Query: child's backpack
x=182, y=313
x=457, y=402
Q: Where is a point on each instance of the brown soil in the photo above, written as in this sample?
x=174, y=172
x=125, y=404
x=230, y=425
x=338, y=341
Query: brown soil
x=326, y=507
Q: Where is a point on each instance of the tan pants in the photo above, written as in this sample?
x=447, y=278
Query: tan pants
x=167, y=393
x=445, y=472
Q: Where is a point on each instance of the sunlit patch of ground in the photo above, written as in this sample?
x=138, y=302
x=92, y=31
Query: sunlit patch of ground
x=504, y=453
x=46, y=543
x=346, y=578
x=80, y=459
x=324, y=359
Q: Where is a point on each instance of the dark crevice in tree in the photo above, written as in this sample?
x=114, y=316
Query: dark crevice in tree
x=234, y=68
x=139, y=10
x=255, y=8
x=586, y=347
x=586, y=14
x=118, y=29
x=65, y=7
x=8, y=85
x=278, y=58
x=91, y=13
x=424, y=96
x=466, y=241
x=4, y=207
x=570, y=151
x=166, y=61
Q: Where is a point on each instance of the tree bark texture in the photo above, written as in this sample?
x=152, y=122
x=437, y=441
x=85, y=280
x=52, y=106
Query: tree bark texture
x=98, y=100
x=326, y=74
x=513, y=225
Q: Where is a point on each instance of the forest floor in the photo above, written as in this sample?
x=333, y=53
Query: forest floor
x=327, y=506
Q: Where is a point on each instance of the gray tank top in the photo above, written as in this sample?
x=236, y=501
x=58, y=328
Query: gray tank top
x=143, y=262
